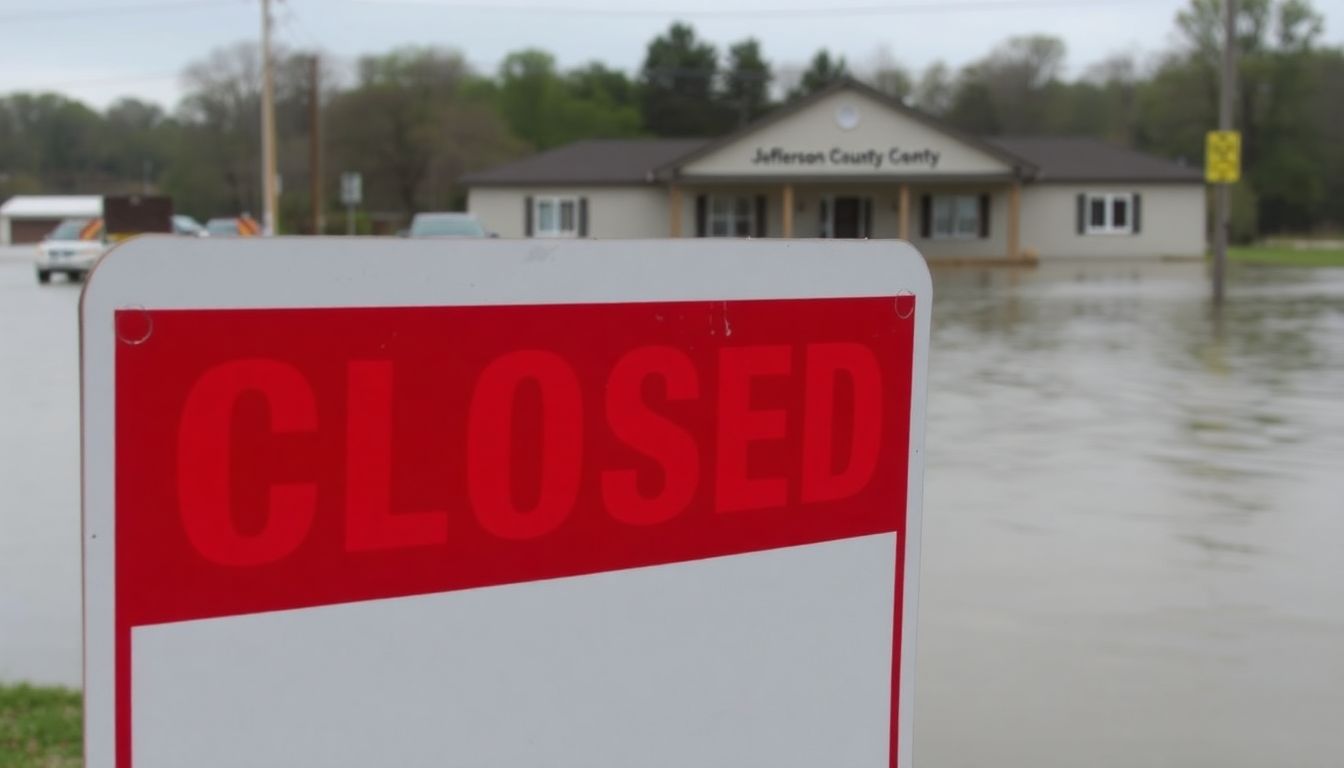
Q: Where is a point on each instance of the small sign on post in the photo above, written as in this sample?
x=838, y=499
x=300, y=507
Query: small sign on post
x=422, y=502
x=1222, y=157
x=352, y=194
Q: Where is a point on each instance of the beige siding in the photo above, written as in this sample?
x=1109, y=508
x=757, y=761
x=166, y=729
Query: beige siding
x=807, y=206
x=886, y=214
x=815, y=129
x=774, y=196
x=1171, y=223
x=613, y=212
x=1172, y=216
x=993, y=247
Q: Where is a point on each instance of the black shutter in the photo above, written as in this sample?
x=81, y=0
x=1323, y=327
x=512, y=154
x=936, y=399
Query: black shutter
x=867, y=217
x=1137, y=213
x=822, y=225
x=701, y=215
x=1082, y=213
x=583, y=217
x=984, y=216
x=926, y=216
x=527, y=216
x=761, y=208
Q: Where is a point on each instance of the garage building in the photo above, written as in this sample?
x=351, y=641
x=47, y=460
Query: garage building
x=851, y=162
x=28, y=218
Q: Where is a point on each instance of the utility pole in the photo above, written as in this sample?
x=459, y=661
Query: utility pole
x=1226, y=99
x=315, y=146
x=270, y=222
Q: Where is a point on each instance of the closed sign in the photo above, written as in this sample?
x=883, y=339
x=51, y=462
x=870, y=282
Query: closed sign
x=502, y=503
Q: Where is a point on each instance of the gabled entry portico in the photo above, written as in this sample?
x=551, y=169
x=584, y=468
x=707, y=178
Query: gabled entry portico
x=972, y=220
x=850, y=164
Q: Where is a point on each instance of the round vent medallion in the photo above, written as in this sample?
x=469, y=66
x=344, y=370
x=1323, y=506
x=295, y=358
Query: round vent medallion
x=847, y=116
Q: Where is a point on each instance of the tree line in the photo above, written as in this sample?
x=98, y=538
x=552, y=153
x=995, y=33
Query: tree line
x=413, y=120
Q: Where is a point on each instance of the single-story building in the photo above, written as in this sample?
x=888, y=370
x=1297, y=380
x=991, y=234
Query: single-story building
x=851, y=162
x=28, y=218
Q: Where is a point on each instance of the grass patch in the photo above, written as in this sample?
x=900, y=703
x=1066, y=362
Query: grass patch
x=1287, y=256
x=40, y=727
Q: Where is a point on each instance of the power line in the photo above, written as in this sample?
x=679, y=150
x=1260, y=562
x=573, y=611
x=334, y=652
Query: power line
x=929, y=6
x=53, y=14
x=336, y=67
x=290, y=21
x=101, y=80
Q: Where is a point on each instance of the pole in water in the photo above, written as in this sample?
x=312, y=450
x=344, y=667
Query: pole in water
x=1223, y=197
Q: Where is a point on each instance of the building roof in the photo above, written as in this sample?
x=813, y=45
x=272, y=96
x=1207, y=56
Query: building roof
x=1019, y=164
x=644, y=161
x=51, y=206
x=1079, y=158
x=594, y=161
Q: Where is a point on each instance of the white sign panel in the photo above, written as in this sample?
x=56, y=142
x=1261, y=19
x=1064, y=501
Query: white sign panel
x=511, y=503
x=352, y=189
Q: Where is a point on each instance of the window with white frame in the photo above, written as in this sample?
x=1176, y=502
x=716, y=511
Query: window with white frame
x=956, y=217
x=731, y=216
x=556, y=216
x=1109, y=213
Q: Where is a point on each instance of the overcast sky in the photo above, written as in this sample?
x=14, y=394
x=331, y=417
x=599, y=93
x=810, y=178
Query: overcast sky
x=98, y=50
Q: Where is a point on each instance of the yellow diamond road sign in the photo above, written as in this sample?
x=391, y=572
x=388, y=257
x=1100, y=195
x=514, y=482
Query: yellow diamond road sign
x=1222, y=157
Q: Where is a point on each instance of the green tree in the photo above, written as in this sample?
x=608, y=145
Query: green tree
x=1173, y=111
x=1278, y=87
x=528, y=91
x=820, y=73
x=936, y=89
x=1013, y=89
x=135, y=144
x=53, y=139
x=1106, y=100
x=214, y=150
x=411, y=125
x=1325, y=115
x=973, y=107
x=50, y=143
x=890, y=77
x=746, y=86
x=547, y=109
x=677, y=94
x=597, y=82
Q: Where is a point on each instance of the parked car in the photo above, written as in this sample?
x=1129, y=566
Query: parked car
x=446, y=225
x=70, y=249
x=231, y=226
x=187, y=226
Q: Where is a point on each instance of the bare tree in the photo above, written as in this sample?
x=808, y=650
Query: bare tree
x=889, y=76
x=411, y=127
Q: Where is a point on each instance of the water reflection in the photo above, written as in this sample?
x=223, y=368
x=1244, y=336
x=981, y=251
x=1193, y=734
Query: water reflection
x=1132, y=522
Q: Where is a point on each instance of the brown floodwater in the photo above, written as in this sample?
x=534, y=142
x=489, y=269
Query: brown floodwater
x=1134, y=521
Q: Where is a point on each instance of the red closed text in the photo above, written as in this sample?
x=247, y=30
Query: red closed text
x=355, y=454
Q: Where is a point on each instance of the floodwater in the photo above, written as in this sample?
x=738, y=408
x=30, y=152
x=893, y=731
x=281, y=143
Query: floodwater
x=40, y=633
x=1134, y=521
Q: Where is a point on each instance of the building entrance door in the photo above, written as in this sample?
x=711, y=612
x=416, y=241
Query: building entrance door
x=846, y=217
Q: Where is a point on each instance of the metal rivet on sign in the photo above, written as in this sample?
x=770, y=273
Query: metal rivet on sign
x=905, y=305
x=134, y=325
